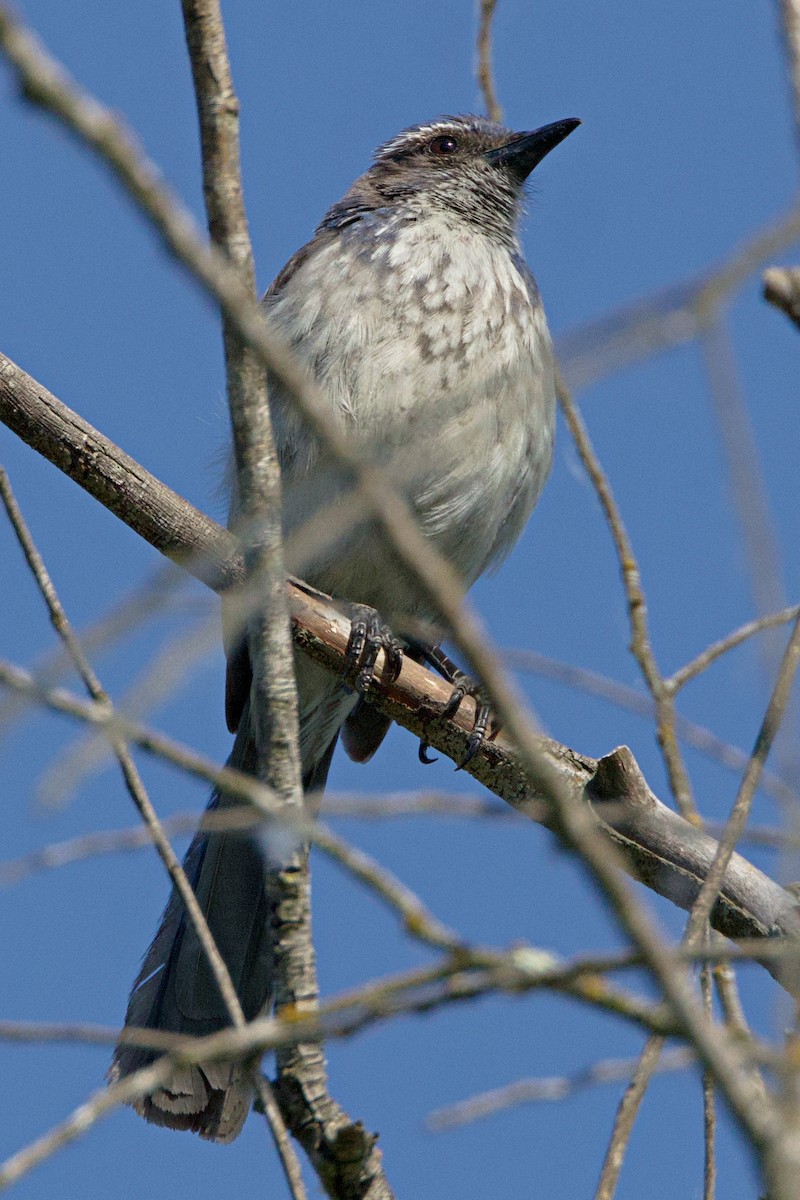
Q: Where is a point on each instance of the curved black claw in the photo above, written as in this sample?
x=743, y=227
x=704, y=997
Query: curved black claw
x=368, y=636
x=478, y=735
x=423, y=755
x=463, y=685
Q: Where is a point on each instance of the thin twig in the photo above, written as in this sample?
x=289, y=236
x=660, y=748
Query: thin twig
x=790, y=24
x=244, y=819
x=640, y=645
x=436, y=580
x=157, y=595
x=471, y=973
x=785, y=291
x=746, y=483
x=151, y=689
x=709, y=1108
x=663, y=697
x=138, y=794
x=625, y=1118
x=484, y=47
x=274, y=692
x=420, y=991
x=741, y=807
x=710, y=655
x=558, y=1087
x=623, y=696
x=522, y=968
x=670, y=317
x=258, y=501
x=695, y=926
x=130, y=773
x=663, y=700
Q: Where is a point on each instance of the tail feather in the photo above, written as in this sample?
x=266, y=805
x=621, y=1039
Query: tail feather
x=175, y=989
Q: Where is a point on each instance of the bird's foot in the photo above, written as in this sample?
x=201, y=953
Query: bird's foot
x=463, y=685
x=368, y=636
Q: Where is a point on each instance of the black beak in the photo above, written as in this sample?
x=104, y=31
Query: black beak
x=526, y=150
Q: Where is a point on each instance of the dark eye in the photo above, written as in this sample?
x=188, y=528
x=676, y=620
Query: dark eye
x=443, y=145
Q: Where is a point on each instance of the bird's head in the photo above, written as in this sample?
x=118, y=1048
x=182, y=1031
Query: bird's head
x=465, y=166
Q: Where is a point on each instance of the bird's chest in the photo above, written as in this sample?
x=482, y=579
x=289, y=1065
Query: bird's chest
x=407, y=326
x=433, y=350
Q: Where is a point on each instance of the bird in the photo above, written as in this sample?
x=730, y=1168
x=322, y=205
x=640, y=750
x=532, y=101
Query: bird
x=415, y=311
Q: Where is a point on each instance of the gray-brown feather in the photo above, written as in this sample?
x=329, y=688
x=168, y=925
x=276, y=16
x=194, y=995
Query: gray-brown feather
x=415, y=312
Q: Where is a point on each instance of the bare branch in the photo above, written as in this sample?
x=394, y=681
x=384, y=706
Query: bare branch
x=484, y=47
x=153, y=687
x=387, y=807
x=710, y=655
x=663, y=697
x=159, y=594
x=741, y=807
x=640, y=645
x=790, y=24
x=246, y=819
x=435, y=579
x=628, y=698
x=625, y=1118
x=782, y=288
x=274, y=708
x=671, y=317
x=709, y=1107
x=558, y=1087
x=133, y=780
x=138, y=794
x=422, y=991
x=746, y=483
x=471, y=973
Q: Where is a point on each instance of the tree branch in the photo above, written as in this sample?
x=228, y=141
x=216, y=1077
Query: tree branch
x=667, y=853
x=782, y=288
x=672, y=316
x=421, y=990
x=46, y=85
x=484, y=70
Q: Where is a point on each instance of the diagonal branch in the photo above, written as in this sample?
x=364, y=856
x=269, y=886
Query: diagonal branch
x=668, y=853
x=45, y=84
x=640, y=644
x=138, y=793
x=671, y=317
x=558, y=1087
x=422, y=990
x=741, y=808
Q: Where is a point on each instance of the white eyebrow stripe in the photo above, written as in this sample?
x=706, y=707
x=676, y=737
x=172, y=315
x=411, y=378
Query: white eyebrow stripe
x=418, y=133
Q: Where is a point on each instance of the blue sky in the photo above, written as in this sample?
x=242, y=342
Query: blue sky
x=686, y=148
